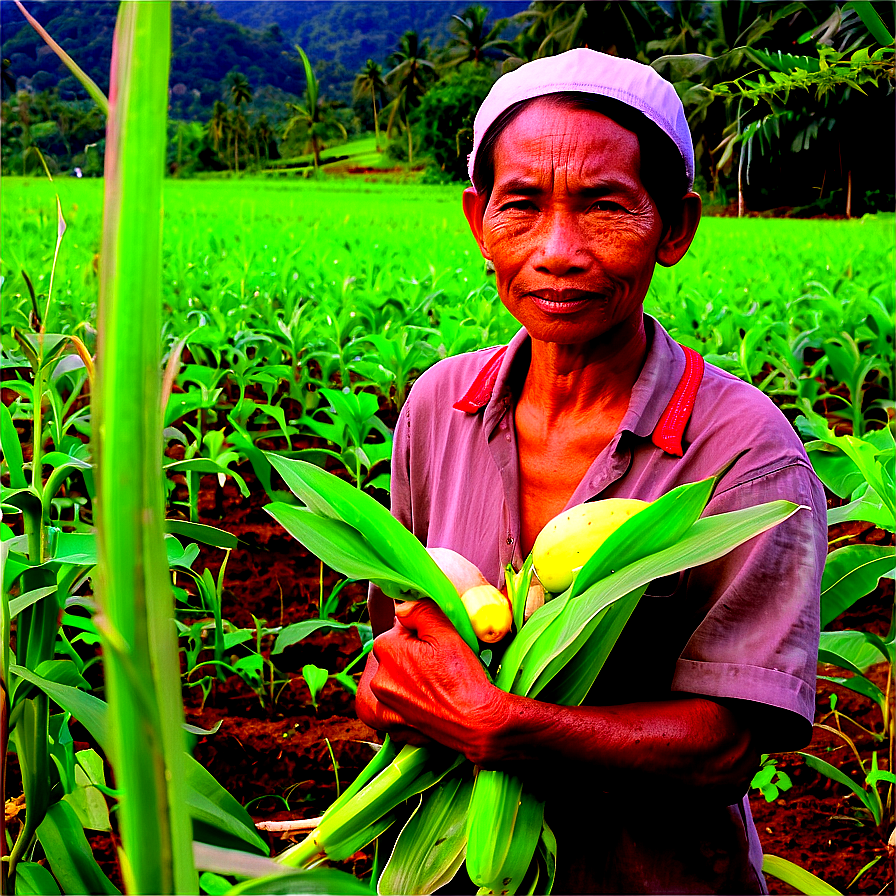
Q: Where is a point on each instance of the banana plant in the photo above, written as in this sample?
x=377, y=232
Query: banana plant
x=556, y=655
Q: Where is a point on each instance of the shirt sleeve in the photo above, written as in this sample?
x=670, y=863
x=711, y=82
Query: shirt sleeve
x=758, y=638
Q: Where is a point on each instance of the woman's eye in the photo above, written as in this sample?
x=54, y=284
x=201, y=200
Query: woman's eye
x=607, y=205
x=517, y=205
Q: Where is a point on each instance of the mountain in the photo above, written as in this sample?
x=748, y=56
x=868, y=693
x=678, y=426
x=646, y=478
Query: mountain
x=212, y=38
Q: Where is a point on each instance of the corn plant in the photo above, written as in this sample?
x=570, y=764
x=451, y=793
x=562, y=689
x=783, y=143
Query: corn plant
x=363, y=440
x=556, y=655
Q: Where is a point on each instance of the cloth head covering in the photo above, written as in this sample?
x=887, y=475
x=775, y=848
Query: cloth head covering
x=587, y=71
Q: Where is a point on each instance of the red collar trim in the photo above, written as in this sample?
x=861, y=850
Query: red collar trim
x=668, y=433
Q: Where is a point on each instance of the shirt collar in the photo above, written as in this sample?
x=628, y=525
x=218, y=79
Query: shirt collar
x=662, y=370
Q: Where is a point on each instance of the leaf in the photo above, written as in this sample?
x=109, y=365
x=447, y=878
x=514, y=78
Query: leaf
x=23, y=601
x=12, y=450
x=656, y=527
x=34, y=880
x=210, y=805
x=292, y=634
x=430, y=848
x=318, y=882
x=338, y=544
x=798, y=878
x=328, y=496
x=315, y=678
x=860, y=685
x=856, y=651
x=69, y=854
x=850, y=573
x=709, y=538
x=209, y=535
x=834, y=773
x=87, y=800
x=86, y=81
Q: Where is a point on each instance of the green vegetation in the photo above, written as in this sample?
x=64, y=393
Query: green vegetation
x=778, y=96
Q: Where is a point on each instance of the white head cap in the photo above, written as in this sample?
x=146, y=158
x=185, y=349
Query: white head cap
x=587, y=71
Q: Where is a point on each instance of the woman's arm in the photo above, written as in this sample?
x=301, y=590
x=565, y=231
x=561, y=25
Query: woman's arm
x=422, y=678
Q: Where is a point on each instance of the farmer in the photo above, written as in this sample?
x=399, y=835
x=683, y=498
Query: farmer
x=582, y=171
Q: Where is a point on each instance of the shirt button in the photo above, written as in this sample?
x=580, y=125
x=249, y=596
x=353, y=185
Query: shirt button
x=507, y=437
x=509, y=539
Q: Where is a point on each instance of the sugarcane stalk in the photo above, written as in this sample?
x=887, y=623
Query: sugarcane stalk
x=133, y=588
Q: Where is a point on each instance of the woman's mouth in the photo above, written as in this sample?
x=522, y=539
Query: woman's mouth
x=562, y=301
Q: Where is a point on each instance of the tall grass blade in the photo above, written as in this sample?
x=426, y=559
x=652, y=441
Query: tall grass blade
x=136, y=604
x=87, y=82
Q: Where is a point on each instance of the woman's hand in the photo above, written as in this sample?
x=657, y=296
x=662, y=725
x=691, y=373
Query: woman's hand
x=422, y=681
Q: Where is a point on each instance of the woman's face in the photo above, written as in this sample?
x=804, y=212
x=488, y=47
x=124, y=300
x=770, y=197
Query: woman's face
x=571, y=230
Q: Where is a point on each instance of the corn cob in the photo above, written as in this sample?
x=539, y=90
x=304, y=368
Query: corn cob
x=431, y=846
x=503, y=828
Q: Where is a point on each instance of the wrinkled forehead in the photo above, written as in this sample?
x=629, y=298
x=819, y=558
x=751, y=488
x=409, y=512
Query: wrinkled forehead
x=553, y=139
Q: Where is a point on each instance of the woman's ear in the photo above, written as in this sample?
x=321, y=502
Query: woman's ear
x=678, y=236
x=474, y=210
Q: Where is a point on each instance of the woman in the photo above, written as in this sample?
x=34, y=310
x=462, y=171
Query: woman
x=582, y=171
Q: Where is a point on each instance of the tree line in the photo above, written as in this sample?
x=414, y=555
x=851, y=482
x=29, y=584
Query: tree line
x=779, y=96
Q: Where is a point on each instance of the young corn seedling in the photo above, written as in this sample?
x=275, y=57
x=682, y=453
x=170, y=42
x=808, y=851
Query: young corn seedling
x=556, y=655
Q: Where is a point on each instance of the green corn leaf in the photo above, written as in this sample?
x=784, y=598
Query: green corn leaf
x=318, y=882
x=860, y=685
x=334, y=509
x=34, y=880
x=570, y=685
x=133, y=586
x=86, y=81
x=830, y=771
x=656, y=527
x=867, y=509
x=209, y=803
x=12, y=450
x=853, y=650
x=209, y=535
x=315, y=678
x=338, y=545
x=872, y=21
x=850, y=573
x=708, y=539
x=430, y=848
x=17, y=604
x=292, y=634
x=69, y=854
x=798, y=878
x=327, y=494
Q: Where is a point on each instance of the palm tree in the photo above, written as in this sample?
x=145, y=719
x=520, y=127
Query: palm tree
x=240, y=92
x=312, y=116
x=219, y=125
x=472, y=42
x=370, y=80
x=413, y=72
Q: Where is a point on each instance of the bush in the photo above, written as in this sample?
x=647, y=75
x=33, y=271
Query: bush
x=443, y=122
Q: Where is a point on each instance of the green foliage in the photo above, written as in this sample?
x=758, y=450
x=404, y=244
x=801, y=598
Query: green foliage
x=444, y=119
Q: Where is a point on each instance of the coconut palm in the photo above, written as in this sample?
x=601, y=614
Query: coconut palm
x=473, y=42
x=240, y=92
x=312, y=118
x=370, y=80
x=219, y=125
x=412, y=73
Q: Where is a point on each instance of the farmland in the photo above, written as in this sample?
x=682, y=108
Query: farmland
x=276, y=291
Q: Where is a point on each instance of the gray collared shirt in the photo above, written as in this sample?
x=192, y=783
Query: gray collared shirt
x=744, y=627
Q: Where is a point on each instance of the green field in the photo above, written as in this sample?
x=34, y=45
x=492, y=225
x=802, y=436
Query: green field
x=241, y=253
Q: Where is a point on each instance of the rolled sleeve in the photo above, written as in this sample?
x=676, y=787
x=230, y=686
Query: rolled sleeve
x=758, y=639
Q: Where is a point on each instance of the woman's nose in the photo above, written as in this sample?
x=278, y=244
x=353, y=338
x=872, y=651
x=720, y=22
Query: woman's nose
x=562, y=246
